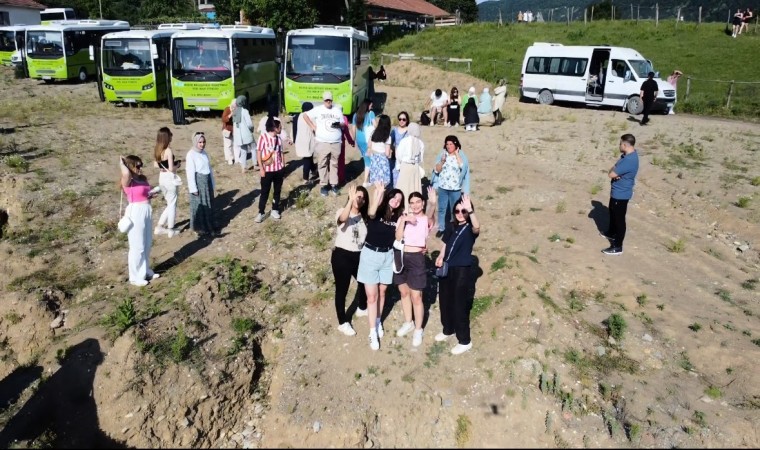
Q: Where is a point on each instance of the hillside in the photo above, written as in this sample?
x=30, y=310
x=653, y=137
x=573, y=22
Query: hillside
x=713, y=11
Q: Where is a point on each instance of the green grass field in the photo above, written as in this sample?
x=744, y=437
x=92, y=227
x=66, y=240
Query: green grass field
x=703, y=52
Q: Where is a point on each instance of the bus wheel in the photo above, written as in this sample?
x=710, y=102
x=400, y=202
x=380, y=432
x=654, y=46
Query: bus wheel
x=545, y=97
x=48, y=81
x=634, y=105
x=82, y=74
x=178, y=112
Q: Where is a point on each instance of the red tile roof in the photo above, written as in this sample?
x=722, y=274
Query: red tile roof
x=414, y=6
x=30, y=4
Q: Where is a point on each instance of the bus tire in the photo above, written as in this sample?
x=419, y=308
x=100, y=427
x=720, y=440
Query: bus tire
x=634, y=105
x=82, y=74
x=101, y=93
x=545, y=97
x=178, y=111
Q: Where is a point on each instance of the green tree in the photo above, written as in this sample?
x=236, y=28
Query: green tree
x=468, y=9
x=602, y=10
x=167, y=8
x=278, y=14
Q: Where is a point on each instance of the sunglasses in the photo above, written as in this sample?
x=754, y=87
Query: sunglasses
x=460, y=211
x=139, y=166
x=328, y=100
x=199, y=133
x=402, y=119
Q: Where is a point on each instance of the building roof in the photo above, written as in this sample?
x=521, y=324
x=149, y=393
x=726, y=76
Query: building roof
x=413, y=6
x=30, y=4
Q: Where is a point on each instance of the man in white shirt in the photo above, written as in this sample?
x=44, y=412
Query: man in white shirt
x=326, y=122
x=438, y=102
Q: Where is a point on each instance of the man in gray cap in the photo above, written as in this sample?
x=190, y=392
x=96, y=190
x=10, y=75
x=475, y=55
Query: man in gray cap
x=326, y=121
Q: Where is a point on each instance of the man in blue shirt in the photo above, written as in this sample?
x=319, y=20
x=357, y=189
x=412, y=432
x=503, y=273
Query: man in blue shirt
x=622, y=178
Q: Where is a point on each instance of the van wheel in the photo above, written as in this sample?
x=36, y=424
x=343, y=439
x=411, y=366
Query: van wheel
x=82, y=74
x=178, y=112
x=635, y=106
x=545, y=97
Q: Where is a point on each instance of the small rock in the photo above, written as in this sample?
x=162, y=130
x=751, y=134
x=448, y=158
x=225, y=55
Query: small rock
x=611, y=340
x=447, y=403
x=369, y=444
x=57, y=322
x=184, y=423
x=647, y=337
x=317, y=426
x=601, y=351
x=743, y=248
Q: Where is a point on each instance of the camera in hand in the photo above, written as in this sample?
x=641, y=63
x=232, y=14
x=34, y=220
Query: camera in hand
x=335, y=125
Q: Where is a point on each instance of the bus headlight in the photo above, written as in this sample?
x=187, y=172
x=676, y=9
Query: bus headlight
x=108, y=86
x=148, y=86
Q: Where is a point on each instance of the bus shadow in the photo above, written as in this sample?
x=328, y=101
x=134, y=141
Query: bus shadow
x=378, y=101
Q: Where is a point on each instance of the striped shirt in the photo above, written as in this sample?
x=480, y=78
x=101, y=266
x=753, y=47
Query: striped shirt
x=266, y=145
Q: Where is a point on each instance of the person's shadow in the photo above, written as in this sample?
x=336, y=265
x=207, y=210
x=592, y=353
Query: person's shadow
x=600, y=214
x=63, y=408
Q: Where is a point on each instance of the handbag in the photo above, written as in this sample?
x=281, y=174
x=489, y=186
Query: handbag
x=125, y=223
x=443, y=271
x=177, y=180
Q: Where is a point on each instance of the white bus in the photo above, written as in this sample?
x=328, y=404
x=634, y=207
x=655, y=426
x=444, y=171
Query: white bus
x=47, y=16
x=594, y=75
x=61, y=51
x=11, y=44
x=210, y=67
x=326, y=58
x=134, y=64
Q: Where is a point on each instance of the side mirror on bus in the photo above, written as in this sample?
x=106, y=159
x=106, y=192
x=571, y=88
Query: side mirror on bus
x=92, y=53
x=153, y=51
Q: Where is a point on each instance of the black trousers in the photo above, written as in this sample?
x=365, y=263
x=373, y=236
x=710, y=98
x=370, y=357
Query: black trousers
x=269, y=179
x=647, y=108
x=309, y=168
x=617, y=208
x=345, y=265
x=455, y=299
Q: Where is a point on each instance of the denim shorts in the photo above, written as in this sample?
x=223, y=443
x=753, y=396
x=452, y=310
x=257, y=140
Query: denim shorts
x=375, y=267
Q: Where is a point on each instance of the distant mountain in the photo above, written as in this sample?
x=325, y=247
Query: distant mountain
x=712, y=10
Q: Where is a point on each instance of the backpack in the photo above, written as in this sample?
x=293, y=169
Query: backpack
x=425, y=118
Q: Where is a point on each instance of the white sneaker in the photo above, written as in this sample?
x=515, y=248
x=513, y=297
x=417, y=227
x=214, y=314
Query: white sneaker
x=155, y=276
x=380, y=331
x=405, y=328
x=459, y=349
x=259, y=218
x=360, y=312
x=440, y=337
x=139, y=283
x=171, y=232
x=160, y=230
x=417, y=338
x=275, y=214
x=374, y=344
x=347, y=329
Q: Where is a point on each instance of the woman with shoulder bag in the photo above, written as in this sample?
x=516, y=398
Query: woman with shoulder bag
x=168, y=180
x=242, y=133
x=137, y=189
x=454, y=293
x=229, y=155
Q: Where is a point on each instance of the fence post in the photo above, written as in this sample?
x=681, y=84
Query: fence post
x=638, y=13
x=592, y=13
x=613, y=12
x=730, y=91
x=631, y=11
x=678, y=17
x=585, y=11
x=688, y=88
x=567, y=13
x=700, y=16
x=656, y=14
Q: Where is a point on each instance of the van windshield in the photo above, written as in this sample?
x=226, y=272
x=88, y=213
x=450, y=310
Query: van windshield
x=641, y=67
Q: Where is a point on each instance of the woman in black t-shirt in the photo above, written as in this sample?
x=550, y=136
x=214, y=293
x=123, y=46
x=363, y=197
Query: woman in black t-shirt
x=454, y=288
x=376, y=259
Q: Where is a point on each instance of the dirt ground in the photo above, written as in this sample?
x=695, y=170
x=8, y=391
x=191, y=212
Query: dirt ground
x=543, y=371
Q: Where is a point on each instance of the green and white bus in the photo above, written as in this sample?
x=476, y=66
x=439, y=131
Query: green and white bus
x=334, y=58
x=134, y=64
x=210, y=67
x=61, y=51
x=11, y=43
x=53, y=15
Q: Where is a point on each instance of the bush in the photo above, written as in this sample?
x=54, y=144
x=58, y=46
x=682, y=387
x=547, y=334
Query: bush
x=616, y=325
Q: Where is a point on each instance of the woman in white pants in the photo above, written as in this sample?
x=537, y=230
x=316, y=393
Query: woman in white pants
x=138, y=193
x=166, y=180
x=242, y=133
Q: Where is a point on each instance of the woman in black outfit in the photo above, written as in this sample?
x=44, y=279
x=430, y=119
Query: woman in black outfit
x=453, y=108
x=454, y=288
x=471, y=118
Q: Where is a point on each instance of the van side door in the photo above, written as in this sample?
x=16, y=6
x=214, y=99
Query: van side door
x=618, y=87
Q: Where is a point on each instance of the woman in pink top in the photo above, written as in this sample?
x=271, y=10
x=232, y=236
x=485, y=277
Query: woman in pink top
x=140, y=236
x=413, y=229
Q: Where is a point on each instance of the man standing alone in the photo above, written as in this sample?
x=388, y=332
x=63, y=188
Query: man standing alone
x=326, y=121
x=648, y=95
x=622, y=178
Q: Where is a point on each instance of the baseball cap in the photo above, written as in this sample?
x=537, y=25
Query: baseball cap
x=327, y=95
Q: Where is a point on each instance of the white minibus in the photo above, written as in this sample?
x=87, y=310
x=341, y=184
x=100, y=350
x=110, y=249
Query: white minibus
x=594, y=75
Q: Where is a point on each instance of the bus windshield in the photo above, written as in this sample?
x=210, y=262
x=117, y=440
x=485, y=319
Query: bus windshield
x=309, y=58
x=7, y=41
x=48, y=16
x=44, y=44
x=201, y=59
x=641, y=67
x=127, y=57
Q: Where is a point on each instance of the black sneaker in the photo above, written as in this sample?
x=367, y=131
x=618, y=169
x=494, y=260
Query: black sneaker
x=606, y=236
x=613, y=251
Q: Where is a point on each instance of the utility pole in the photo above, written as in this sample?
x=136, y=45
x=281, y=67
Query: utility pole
x=100, y=7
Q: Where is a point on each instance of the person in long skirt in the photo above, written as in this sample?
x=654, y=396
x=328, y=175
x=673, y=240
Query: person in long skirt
x=200, y=183
x=140, y=236
x=409, y=157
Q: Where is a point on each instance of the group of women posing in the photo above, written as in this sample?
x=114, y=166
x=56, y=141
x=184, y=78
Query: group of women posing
x=200, y=184
x=371, y=230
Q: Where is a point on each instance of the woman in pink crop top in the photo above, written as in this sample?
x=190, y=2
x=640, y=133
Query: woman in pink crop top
x=138, y=192
x=414, y=228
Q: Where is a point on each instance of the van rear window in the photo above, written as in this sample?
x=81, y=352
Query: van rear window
x=556, y=65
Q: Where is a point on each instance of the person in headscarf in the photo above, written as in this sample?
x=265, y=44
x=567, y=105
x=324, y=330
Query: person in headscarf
x=470, y=94
x=200, y=183
x=304, y=142
x=242, y=133
x=471, y=119
x=410, y=153
x=485, y=106
x=500, y=96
